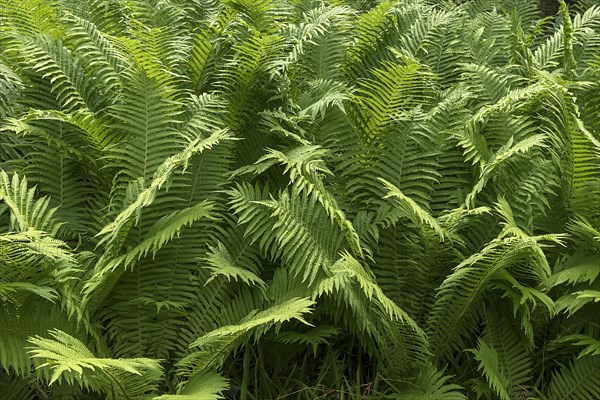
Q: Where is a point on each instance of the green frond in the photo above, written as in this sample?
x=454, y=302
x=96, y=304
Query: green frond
x=348, y=265
x=100, y=53
x=17, y=324
x=71, y=85
x=218, y=343
x=9, y=289
x=420, y=33
x=396, y=89
x=10, y=83
x=306, y=241
x=405, y=154
x=261, y=15
x=510, y=226
x=430, y=384
x=412, y=210
x=318, y=45
x=400, y=332
x=162, y=176
x=218, y=303
x=584, y=271
x=573, y=302
x=490, y=84
x=240, y=74
x=256, y=220
x=25, y=212
x=328, y=93
x=585, y=172
x=504, y=359
x=95, y=129
x=473, y=275
x=163, y=231
x=591, y=345
x=504, y=153
x=29, y=17
x=68, y=359
x=313, y=337
x=585, y=35
x=565, y=43
x=203, y=386
x=307, y=172
x=488, y=362
x=375, y=30
x=576, y=380
x=221, y=263
x=59, y=159
x=15, y=388
x=149, y=129
x=530, y=188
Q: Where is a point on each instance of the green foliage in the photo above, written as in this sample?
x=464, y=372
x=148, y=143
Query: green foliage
x=263, y=199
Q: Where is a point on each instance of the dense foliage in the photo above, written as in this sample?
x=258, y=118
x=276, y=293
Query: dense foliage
x=263, y=199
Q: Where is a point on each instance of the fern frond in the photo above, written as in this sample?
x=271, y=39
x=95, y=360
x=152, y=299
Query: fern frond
x=15, y=388
x=239, y=77
x=412, y=210
x=576, y=380
x=25, y=212
x=304, y=240
x=313, y=337
x=429, y=384
x=70, y=360
x=71, y=85
x=32, y=317
x=488, y=362
x=591, y=345
x=504, y=153
x=585, y=271
x=218, y=343
x=161, y=177
x=317, y=46
x=202, y=61
x=473, y=276
x=307, y=171
x=10, y=83
x=375, y=30
x=203, y=386
x=395, y=89
x=163, y=231
x=504, y=359
x=149, y=129
x=221, y=263
x=99, y=52
x=30, y=17
x=348, y=265
x=573, y=302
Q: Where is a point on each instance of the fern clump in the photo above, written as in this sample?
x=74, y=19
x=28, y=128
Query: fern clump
x=269, y=199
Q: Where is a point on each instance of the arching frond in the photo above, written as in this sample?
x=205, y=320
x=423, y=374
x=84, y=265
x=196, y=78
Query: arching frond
x=70, y=360
x=475, y=273
x=218, y=343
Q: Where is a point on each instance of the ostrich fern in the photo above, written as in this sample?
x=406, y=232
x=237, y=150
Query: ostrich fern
x=264, y=199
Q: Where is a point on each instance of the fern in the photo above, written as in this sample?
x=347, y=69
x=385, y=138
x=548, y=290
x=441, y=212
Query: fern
x=69, y=359
x=271, y=198
x=203, y=387
x=219, y=342
x=574, y=381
